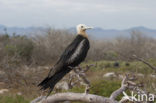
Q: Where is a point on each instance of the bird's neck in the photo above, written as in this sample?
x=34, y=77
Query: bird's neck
x=83, y=33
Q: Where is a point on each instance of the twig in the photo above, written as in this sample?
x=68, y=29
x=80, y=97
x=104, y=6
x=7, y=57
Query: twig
x=120, y=90
x=81, y=75
x=145, y=62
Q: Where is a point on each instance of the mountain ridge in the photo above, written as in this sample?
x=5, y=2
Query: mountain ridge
x=97, y=32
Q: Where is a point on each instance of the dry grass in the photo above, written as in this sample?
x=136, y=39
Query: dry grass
x=24, y=61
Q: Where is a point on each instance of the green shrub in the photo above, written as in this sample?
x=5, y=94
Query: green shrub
x=11, y=99
x=19, y=46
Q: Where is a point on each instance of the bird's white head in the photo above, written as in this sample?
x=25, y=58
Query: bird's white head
x=81, y=28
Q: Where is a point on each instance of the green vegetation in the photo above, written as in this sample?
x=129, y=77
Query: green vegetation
x=11, y=99
x=100, y=85
x=132, y=67
x=46, y=48
x=22, y=58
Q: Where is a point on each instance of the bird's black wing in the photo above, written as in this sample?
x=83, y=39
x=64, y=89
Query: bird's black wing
x=76, y=52
x=79, y=53
x=66, y=55
x=72, y=51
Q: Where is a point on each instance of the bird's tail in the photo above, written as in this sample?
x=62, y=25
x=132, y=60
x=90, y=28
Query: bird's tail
x=50, y=82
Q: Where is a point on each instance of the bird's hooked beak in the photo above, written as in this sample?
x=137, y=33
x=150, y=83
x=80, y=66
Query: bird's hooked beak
x=87, y=27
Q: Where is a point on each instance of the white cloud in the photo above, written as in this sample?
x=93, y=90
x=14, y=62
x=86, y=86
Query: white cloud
x=62, y=13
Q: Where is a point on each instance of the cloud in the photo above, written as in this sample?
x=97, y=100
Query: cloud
x=66, y=13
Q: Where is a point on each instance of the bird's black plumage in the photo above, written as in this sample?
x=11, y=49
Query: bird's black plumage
x=73, y=55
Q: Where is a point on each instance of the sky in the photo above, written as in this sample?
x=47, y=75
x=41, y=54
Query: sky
x=108, y=14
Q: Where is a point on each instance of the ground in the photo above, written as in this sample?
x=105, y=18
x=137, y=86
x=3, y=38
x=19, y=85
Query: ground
x=105, y=77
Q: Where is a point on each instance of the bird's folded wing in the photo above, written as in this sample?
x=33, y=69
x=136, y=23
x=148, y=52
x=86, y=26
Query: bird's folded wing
x=78, y=51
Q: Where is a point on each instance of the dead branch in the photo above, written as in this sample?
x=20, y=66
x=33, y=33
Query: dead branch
x=82, y=76
x=127, y=83
x=39, y=99
x=87, y=98
x=80, y=73
x=145, y=62
x=120, y=90
x=84, y=97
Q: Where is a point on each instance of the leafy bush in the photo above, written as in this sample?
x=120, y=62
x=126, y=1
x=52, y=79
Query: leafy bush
x=19, y=47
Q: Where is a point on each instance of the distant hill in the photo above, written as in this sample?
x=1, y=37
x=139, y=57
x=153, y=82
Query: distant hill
x=96, y=32
x=20, y=30
x=111, y=33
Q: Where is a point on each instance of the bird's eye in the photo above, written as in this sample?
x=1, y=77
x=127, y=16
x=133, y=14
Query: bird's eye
x=81, y=26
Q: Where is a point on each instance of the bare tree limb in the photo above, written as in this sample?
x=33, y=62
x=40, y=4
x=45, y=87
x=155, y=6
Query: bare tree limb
x=91, y=98
x=39, y=99
x=127, y=83
x=145, y=62
x=120, y=90
x=83, y=97
x=81, y=75
x=87, y=98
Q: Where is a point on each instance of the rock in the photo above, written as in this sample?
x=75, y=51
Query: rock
x=3, y=90
x=152, y=76
x=62, y=85
x=19, y=93
x=109, y=74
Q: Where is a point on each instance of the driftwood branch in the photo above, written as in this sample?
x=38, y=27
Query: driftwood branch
x=127, y=83
x=120, y=90
x=80, y=73
x=85, y=97
x=145, y=62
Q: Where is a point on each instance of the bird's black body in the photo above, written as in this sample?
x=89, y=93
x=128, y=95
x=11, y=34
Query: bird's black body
x=73, y=55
